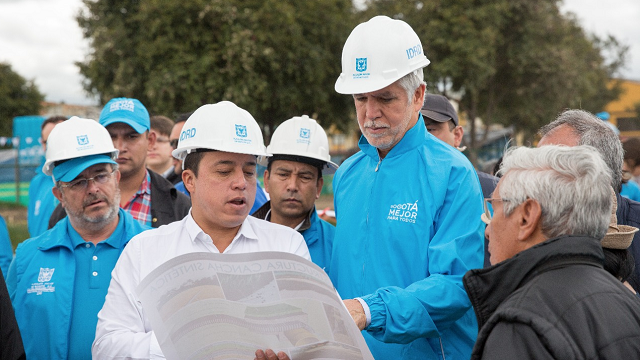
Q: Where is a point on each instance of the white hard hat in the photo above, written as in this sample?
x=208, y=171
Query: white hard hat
x=222, y=126
x=75, y=138
x=378, y=53
x=303, y=137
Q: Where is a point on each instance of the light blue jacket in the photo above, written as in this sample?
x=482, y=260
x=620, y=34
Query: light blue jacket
x=408, y=228
x=319, y=238
x=6, y=249
x=43, y=300
x=631, y=190
x=41, y=203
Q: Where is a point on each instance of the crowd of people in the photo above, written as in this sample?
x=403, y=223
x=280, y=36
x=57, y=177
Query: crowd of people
x=433, y=259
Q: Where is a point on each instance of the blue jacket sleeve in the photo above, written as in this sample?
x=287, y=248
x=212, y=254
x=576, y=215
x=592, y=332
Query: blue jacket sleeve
x=429, y=306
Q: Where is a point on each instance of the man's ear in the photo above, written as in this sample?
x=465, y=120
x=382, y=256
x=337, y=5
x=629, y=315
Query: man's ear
x=58, y=194
x=189, y=179
x=265, y=179
x=320, y=184
x=151, y=135
x=530, y=221
x=458, y=134
x=418, y=97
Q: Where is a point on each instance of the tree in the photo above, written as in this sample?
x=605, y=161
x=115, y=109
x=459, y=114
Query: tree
x=17, y=97
x=514, y=62
x=275, y=58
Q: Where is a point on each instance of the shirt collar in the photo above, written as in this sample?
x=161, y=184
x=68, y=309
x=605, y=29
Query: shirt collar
x=264, y=213
x=196, y=233
x=114, y=240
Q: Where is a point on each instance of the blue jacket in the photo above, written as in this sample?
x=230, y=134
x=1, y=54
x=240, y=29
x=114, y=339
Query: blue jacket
x=317, y=233
x=6, y=249
x=408, y=229
x=43, y=300
x=41, y=203
x=319, y=238
x=631, y=190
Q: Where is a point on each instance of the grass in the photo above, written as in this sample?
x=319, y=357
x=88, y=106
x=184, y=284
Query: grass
x=8, y=192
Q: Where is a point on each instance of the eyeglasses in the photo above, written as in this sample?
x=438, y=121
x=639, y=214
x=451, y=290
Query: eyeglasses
x=81, y=184
x=174, y=143
x=486, y=217
x=163, y=140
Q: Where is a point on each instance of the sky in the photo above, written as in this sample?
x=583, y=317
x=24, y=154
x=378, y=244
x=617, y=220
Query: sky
x=41, y=40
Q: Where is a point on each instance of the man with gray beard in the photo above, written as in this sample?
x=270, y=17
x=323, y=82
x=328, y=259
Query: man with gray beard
x=407, y=207
x=58, y=280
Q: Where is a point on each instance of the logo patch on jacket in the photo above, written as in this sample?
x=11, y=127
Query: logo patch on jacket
x=406, y=212
x=44, y=283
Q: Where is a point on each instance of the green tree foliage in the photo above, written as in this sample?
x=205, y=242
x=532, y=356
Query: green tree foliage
x=514, y=62
x=274, y=58
x=17, y=97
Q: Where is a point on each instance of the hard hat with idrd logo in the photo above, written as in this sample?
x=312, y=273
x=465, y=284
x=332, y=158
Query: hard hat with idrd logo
x=301, y=137
x=378, y=53
x=222, y=126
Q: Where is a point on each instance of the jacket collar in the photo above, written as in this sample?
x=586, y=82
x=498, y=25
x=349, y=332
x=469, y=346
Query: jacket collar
x=489, y=287
x=413, y=138
x=263, y=213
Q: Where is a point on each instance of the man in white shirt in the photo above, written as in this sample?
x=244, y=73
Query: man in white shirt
x=218, y=145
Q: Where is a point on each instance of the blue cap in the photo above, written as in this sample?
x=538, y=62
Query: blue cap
x=128, y=111
x=70, y=169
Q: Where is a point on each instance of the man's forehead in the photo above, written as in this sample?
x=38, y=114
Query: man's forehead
x=390, y=90
x=561, y=135
x=229, y=158
x=290, y=165
x=120, y=128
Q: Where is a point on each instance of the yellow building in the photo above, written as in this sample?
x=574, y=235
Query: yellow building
x=622, y=110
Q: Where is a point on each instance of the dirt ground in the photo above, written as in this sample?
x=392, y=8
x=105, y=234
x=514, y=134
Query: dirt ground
x=12, y=216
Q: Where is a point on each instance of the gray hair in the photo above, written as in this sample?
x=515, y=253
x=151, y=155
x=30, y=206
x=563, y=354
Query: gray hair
x=571, y=184
x=594, y=132
x=411, y=81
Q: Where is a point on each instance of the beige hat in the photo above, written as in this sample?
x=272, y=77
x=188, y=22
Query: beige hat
x=618, y=236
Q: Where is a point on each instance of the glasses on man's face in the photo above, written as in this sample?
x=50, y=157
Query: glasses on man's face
x=162, y=140
x=174, y=143
x=488, y=209
x=81, y=184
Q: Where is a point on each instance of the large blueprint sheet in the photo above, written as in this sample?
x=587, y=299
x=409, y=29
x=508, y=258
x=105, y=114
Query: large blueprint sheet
x=226, y=306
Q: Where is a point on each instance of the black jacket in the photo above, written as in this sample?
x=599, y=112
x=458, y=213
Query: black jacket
x=628, y=213
x=554, y=301
x=10, y=339
x=167, y=203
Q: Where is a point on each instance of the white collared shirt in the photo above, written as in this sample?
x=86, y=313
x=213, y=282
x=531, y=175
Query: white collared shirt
x=123, y=330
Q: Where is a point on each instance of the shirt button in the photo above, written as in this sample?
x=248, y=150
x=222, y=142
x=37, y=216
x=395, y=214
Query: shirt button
x=88, y=245
x=95, y=273
x=95, y=257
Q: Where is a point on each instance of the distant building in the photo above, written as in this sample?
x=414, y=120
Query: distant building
x=88, y=112
x=622, y=111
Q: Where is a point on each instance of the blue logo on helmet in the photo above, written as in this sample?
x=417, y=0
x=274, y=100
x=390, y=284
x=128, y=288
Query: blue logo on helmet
x=241, y=130
x=414, y=51
x=305, y=133
x=82, y=139
x=361, y=64
x=188, y=133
